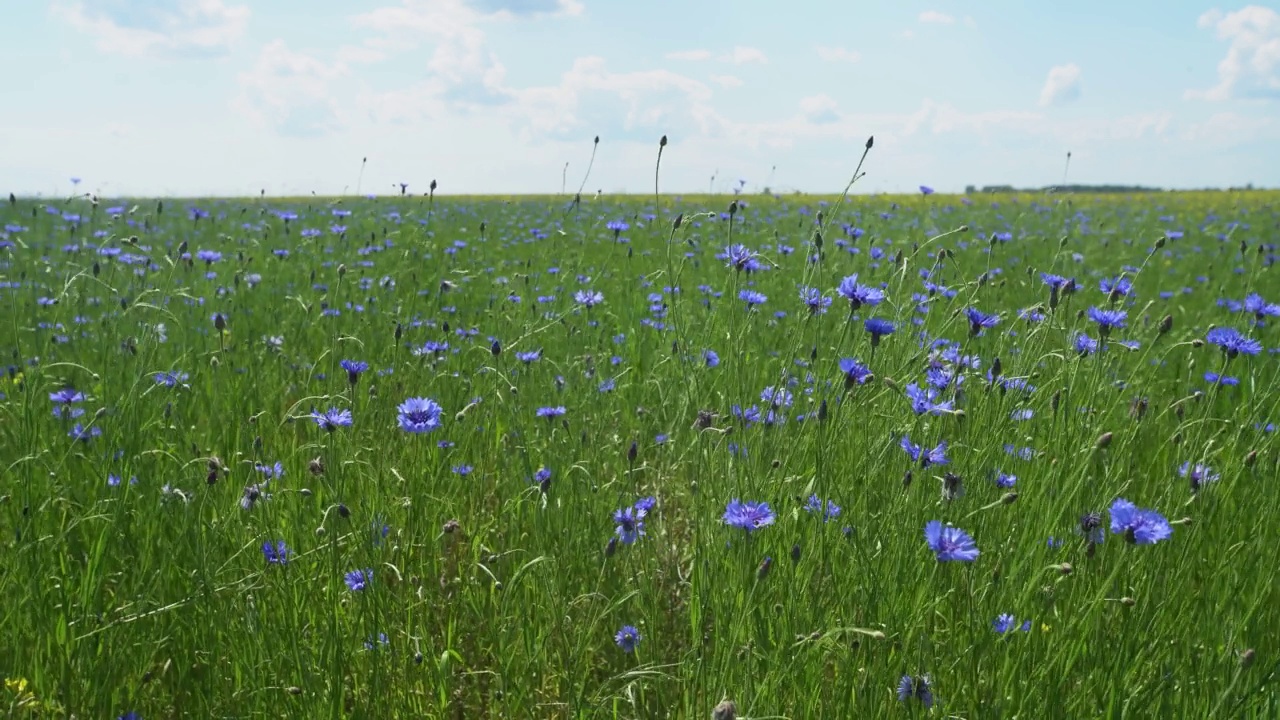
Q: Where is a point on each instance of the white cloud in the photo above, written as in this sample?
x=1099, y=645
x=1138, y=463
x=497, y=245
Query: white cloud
x=1231, y=128
x=741, y=55
x=1251, y=67
x=935, y=17
x=692, y=55
x=819, y=109
x=1062, y=85
x=290, y=92
x=838, y=54
x=164, y=28
x=726, y=81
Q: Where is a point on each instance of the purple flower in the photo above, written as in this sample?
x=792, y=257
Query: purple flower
x=354, y=368
x=550, y=412
x=950, y=543
x=276, y=553
x=630, y=524
x=815, y=504
x=918, y=687
x=332, y=419
x=878, y=327
x=66, y=396
x=979, y=321
x=419, y=415
x=588, y=298
x=358, y=580
x=855, y=373
x=740, y=257
x=1138, y=526
x=858, y=294
x=749, y=515
x=1085, y=345
x=627, y=638
x=1107, y=320
x=936, y=456
x=752, y=298
x=1232, y=342
x=815, y=300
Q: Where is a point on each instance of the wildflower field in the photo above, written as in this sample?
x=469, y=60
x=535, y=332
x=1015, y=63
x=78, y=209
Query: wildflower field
x=641, y=457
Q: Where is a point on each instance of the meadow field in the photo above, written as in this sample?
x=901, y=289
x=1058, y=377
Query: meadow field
x=988, y=456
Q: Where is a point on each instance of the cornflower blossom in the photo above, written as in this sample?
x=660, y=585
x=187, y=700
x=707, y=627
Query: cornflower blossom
x=358, y=580
x=936, y=456
x=630, y=524
x=950, y=543
x=588, y=298
x=1107, y=320
x=858, y=294
x=748, y=515
x=419, y=415
x=627, y=638
x=1139, y=526
x=919, y=687
x=1233, y=342
x=332, y=419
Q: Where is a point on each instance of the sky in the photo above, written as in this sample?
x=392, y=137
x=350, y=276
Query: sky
x=290, y=97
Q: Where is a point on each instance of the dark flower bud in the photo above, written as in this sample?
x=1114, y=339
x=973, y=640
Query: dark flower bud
x=343, y=512
x=1008, y=498
x=316, y=466
x=906, y=479
x=1063, y=569
x=295, y=690
x=795, y=553
x=662, y=142
x=433, y=186
x=632, y=452
x=212, y=477
x=765, y=565
x=417, y=658
x=1166, y=324
x=612, y=547
x=871, y=140
x=1251, y=458
x=822, y=410
x=1128, y=601
x=451, y=526
x=1103, y=441
x=675, y=224
x=733, y=208
x=495, y=348
x=1246, y=658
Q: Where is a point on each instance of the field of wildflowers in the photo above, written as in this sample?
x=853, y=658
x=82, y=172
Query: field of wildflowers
x=752, y=457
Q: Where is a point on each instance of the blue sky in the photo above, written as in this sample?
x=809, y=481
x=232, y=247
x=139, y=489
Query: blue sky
x=230, y=97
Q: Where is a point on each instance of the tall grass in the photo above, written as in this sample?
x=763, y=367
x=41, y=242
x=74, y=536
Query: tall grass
x=498, y=582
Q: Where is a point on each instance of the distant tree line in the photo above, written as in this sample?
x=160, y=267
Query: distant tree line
x=993, y=189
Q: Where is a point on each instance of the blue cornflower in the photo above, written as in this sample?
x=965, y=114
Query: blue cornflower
x=550, y=412
x=276, y=553
x=208, y=256
x=66, y=396
x=878, y=327
x=949, y=543
x=419, y=415
x=1003, y=623
x=84, y=434
x=917, y=687
x=358, y=580
x=979, y=321
x=529, y=356
x=1107, y=320
x=270, y=472
x=588, y=298
x=332, y=419
x=749, y=515
x=627, y=638
x=752, y=298
x=815, y=300
x=776, y=397
x=463, y=470
x=1198, y=474
x=926, y=190
x=740, y=258
x=170, y=378
x=1085, y=345
x=1232, y=342
x=131, y=715
x=855, y=373
x=936, y=456
x=925, y=400
x=1005, y=480
x=630, y=524
x=1116, y=288
x=354, y=368
x=1139, y=526
x=710, y=358
x=372, y=643
x=858, y=294
x=814, y=505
